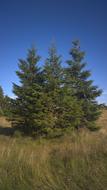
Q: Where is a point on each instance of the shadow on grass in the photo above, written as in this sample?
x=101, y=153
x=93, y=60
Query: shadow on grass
x=7, y=131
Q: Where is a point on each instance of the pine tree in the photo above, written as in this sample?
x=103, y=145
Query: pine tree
x=53, y=76
x=53, y=71
x=82, y=88
x=1, y=100
x=7, y=106
x=63, y=107
x=54, y=98
x=28, y=107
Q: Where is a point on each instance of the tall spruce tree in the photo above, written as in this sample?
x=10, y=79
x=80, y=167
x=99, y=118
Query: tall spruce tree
x=28, y=107
x=66, y=112
x=53, y=71
x=53, y=77
x=82, y=88
x=55, y=98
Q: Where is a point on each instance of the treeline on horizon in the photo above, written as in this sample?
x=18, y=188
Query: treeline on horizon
x=52, y=99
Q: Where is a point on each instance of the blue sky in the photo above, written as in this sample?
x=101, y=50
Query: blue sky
x=24, y=23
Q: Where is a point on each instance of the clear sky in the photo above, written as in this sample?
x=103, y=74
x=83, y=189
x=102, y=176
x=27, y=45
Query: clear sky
x=38, y=22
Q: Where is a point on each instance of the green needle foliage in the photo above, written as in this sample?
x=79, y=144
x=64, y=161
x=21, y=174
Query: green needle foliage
x=1, y=100
x=55, y=98
x=28, y=106
x=5, y=104
x=82, y=88
x=53, y=79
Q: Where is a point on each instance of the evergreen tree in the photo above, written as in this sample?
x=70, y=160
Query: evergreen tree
x=82, y=88
x=1, y=100
x=54, y=98
x=53, y=78
x=53, y=71
x=7, y=106
x=28, y=107
x=64, y=108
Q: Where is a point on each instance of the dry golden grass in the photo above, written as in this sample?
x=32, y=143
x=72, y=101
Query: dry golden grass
x=4, y=122
x=103, y=118
x=102, y=122
x=72, y=162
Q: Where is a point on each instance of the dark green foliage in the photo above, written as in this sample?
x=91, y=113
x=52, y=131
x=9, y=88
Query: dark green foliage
x=28, y=106
x=56, y=98
x=82, y=88
x=53, y=78
x=64, y=108
x=53, y=70
x=70, y=114
x=1, y=100
x=5, y=104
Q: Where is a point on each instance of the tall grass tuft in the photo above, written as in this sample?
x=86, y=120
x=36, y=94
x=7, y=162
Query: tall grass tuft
x=75, y=162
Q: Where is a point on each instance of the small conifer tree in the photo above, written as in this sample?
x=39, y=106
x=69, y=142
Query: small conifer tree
x=1, y=100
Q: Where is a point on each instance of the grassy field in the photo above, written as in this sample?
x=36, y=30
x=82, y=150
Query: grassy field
x=72, y=162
